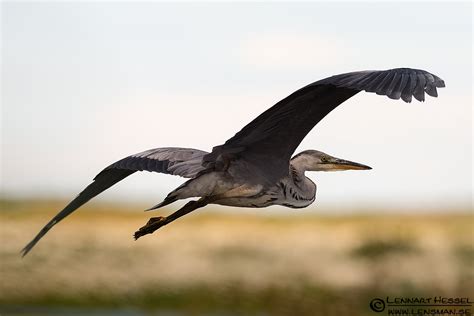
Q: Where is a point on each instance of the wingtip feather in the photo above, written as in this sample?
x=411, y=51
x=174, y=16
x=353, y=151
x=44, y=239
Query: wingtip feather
x=404, y=83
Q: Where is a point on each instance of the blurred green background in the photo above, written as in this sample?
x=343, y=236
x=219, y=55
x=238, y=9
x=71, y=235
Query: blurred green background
x=215, y=263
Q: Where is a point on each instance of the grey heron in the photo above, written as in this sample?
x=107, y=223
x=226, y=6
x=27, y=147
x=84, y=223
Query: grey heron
x=255, y=167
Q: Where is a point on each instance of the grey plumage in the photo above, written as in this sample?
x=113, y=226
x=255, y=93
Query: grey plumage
x=254, y=168
x=184, y=162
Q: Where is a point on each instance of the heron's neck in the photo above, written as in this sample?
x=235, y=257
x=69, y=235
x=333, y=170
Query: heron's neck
x=299, y=165
x=305, y=189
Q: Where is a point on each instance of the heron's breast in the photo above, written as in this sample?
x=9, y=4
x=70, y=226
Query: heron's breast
x=291, y=195
x=258, y=201
x=296, y=203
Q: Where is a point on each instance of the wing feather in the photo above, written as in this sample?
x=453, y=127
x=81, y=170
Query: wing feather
x=419, y=92
x=431, y=90
x=397, y=91
x=393, y=84
x=383, y=85
x=372, y=84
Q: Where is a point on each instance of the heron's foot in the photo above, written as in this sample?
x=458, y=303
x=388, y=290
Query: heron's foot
x=153, y=224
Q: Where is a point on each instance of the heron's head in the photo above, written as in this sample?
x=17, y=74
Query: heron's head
x=313, y=160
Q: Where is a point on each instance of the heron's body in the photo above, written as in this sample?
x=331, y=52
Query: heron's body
x=295, y=190
x=254, y=168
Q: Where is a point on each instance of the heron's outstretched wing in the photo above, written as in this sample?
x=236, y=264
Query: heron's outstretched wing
x=184, y=162
x=266, y=144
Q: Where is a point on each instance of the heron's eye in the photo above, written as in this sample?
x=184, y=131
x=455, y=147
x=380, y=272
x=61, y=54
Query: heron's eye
x=324, y=159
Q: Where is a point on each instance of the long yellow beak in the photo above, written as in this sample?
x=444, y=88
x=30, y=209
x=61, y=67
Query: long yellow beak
x=341, y=164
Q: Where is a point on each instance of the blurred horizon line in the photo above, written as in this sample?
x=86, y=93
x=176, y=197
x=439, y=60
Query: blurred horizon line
x=342, y=209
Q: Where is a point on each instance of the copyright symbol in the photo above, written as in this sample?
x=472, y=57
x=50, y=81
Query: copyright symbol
x=377, y=305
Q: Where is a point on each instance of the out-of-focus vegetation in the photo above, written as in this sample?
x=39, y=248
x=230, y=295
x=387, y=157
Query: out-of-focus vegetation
x=227, y=264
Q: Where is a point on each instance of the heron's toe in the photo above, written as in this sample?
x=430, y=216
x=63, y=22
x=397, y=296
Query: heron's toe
x=153, y=224
x=154, y=220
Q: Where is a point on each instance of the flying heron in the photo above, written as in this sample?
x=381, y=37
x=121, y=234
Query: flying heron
x=255, y=167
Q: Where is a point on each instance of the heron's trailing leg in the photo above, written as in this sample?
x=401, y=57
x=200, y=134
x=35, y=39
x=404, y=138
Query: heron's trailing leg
x=157, y=222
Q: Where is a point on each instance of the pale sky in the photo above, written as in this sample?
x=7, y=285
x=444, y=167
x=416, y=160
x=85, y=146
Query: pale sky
x=86, y=84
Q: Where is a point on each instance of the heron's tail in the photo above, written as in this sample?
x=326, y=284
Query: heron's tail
x=198, y=187
x=168, y=200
